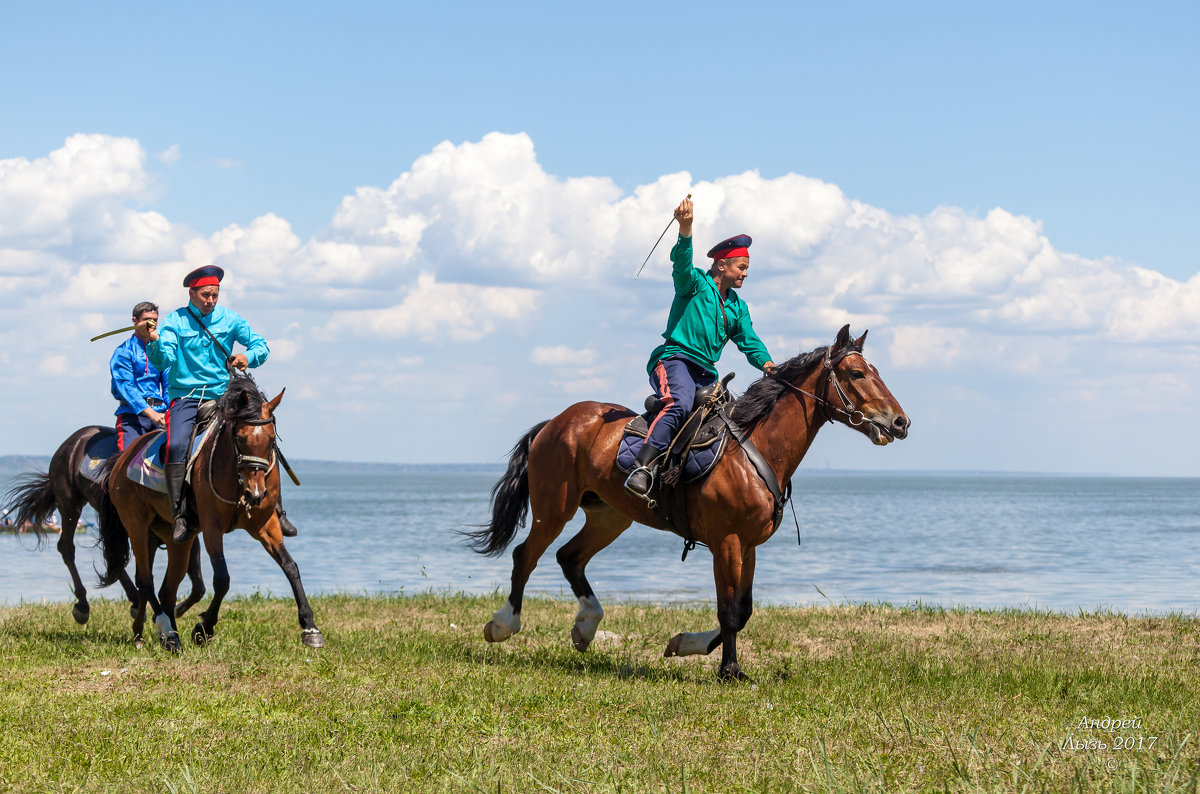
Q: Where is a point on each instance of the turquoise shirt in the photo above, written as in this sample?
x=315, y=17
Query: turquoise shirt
x=695, y=326
x=195, y=367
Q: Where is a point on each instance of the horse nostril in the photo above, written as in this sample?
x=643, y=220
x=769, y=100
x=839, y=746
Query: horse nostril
x=900, y=423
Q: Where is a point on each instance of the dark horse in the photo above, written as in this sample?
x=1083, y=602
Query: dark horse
x=569, y=462
x=64, y=488
x=235, y=483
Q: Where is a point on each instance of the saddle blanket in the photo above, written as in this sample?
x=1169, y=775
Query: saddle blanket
x=100, y=448
x=146, y=469
x=701, y=457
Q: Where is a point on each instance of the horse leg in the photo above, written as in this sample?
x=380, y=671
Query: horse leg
x=271, y=537
x=733, y=569
x=196, y=577
x=214, y=544
x=702, y=643
x=603, y=526
x=178, y=556
x=138, y=610
x=551, y=511
x=144, y=544
x=66, y=548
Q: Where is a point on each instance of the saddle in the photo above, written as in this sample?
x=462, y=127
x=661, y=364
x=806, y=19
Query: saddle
x=692, y=455
x=146, y=468
x=99, y=449
x=696, y=447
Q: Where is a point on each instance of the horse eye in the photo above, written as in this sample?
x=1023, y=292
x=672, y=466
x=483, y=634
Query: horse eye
x=857, y=374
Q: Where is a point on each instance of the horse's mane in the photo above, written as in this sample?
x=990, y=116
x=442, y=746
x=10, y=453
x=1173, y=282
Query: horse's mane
x=242, y=401
x=761, y=396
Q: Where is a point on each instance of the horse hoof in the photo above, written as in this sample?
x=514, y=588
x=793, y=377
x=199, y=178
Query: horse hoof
x=493, y=633
x=171, y=642
x=580, y=642
x=312, y=638
x=673, y=646
x=201, y=635
x=81, y=613
x=734, y=674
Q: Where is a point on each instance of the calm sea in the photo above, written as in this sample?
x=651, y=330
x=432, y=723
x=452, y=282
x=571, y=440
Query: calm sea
x=982, y=540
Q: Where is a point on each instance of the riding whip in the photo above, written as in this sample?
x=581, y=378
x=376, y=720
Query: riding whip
x=656, y=242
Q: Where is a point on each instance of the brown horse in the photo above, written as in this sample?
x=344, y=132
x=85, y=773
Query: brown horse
x=570, y=462
x=235, y=483
x=64, y=488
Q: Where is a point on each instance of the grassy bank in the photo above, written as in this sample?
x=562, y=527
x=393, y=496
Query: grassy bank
x=407, y=696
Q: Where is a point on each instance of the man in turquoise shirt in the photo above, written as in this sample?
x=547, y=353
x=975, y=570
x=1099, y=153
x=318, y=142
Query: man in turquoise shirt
x=188, y=345
x=705, y=314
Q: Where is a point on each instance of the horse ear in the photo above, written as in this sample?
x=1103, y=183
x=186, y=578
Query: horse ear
x=858, y=343
x=843, y=337
x=273, y=404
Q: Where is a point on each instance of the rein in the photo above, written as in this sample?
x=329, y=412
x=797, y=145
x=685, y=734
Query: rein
x=853, y=415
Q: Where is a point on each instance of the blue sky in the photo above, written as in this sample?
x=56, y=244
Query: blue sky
x=1078, y=120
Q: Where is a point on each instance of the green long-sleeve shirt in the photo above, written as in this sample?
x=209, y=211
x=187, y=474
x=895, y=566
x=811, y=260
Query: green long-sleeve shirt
x=695, y=326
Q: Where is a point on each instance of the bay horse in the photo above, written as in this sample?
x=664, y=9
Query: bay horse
x=64, y=488
x=235, y=483
x=569, y=462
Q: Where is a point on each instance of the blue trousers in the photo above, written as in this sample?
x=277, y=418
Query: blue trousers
x=181, y=418
x=675, y=381
x=130, y=427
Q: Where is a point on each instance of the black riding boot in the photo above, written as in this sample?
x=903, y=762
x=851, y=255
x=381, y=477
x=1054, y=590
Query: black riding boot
x=641, y=478
x=175, y=473
x=288, y=528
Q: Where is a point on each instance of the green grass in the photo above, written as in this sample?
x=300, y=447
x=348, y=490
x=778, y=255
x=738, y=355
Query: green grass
x=408, y=696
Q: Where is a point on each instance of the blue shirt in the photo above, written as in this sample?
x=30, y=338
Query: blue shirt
x=196, y=368
x=134, y=379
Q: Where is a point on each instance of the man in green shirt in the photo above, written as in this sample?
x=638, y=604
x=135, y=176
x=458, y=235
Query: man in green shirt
x=705, y=314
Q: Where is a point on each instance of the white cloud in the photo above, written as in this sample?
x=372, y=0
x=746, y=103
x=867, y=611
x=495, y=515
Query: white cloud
x=476, y=243
x=54, y=365
x=227, y=163
x=562, y=356
x=920, y=346
x=169, y=156
x=284, y=349
x=433, y=311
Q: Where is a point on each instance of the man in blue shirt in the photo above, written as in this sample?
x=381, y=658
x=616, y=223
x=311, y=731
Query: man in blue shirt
x=194, y=344
x=139, y=387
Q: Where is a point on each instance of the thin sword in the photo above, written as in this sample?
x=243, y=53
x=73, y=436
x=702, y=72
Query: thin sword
x=640, y=269
x=112, y=333
x=118, y=331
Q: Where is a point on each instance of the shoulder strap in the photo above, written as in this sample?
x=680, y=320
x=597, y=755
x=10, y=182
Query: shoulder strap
x=760, y=465
x=204, y=328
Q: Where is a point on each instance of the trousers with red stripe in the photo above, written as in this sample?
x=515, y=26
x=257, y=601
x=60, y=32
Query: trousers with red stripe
x=675, y=381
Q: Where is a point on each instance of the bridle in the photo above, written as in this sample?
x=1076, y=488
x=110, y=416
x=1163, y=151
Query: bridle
x=853, y=415
x=242, y=462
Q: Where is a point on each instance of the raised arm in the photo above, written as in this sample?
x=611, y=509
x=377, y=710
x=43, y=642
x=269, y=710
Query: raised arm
x=682, y=272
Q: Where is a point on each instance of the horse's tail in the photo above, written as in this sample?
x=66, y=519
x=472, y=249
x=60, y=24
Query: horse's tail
x=114, y=539
x=510, y=501
x=33, y=500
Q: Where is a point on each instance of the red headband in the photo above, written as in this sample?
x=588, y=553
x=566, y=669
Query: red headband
x=207, y=281
x=731, y=253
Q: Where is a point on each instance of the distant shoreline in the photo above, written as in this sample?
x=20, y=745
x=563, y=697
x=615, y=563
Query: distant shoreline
x=40, y=463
